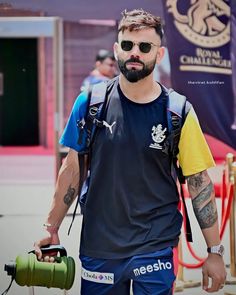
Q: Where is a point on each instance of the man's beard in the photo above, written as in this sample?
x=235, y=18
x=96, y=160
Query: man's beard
x=133, y=75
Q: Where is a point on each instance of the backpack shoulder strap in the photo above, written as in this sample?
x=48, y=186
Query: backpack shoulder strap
x=177, y=110
x=97, y=101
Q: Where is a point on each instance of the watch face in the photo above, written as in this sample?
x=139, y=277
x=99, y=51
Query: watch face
x=221, y=250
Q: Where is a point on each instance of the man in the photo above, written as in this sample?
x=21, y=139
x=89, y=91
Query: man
x=131, y=220
x=104, y=69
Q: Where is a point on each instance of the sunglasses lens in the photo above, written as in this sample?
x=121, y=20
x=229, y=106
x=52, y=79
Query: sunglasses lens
x=126, y=45
x=145, y=47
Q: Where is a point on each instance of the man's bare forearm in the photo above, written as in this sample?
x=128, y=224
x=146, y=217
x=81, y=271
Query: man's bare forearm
x=66, y=189
x=201, y=190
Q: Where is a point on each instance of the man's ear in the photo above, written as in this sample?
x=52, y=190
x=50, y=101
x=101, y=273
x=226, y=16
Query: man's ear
x=160, y=54
x=115, y=49
x=97, y=64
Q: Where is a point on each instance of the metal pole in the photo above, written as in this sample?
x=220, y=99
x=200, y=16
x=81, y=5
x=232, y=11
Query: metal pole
x=58, y=87
x=231, y=179
x=228, y=171
x=233, y=226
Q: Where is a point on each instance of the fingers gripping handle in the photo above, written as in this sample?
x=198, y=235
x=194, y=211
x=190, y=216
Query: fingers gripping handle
x=52, y=248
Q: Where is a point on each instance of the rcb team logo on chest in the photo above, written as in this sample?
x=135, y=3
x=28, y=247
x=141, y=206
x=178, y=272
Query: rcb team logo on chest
x=158, y=136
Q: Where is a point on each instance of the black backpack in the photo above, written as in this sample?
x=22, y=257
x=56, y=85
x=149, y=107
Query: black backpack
x=97, y=102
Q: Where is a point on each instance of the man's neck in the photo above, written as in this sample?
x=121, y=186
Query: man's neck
x=96, y=73
x=143, y=91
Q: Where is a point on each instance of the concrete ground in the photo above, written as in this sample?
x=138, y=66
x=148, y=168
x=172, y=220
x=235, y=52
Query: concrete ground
x=26, y=188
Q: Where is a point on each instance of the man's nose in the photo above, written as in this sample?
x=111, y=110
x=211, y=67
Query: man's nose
x=135, y=56
x=135, y=50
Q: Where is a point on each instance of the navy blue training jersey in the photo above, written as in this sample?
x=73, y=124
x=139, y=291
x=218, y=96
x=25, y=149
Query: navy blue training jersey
x=132, y=201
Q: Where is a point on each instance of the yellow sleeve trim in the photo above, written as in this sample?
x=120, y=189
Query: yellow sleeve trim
x=194, y=153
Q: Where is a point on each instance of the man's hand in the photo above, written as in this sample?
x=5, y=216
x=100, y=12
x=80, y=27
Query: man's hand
x=49, y=239
x=213, y=268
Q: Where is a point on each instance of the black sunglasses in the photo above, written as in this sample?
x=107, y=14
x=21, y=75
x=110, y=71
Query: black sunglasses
x=144, y=47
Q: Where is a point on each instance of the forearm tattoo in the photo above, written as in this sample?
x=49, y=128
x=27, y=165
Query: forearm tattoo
x=203, y=203
x=69, y=196
x=196, y=181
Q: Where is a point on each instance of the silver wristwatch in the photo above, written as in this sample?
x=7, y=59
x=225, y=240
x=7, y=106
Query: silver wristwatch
x=219, y=249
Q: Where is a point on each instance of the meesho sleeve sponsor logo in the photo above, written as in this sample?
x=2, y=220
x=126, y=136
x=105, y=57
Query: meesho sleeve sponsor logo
x=97, y=277
x=158, y=266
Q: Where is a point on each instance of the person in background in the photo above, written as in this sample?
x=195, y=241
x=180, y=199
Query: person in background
x=105, y=69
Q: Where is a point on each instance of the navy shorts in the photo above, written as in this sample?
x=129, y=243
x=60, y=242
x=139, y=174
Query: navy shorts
x=151, y=273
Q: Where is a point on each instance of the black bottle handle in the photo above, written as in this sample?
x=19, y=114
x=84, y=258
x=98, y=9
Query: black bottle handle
x=52, y=248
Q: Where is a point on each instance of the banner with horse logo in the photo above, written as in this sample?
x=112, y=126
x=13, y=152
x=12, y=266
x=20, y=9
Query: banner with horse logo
x=198, y=38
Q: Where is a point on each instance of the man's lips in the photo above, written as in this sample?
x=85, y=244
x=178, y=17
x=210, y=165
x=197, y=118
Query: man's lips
x=133, y=64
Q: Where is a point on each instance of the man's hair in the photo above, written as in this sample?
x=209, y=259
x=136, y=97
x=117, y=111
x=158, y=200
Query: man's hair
x=103, y=54
x=139, y=19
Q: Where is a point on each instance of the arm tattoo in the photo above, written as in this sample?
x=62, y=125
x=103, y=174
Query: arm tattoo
x=69, y=196
x=195, y=182
x=205, y=208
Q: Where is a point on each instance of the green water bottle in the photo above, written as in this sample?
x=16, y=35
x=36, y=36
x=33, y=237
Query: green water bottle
x=27, y=270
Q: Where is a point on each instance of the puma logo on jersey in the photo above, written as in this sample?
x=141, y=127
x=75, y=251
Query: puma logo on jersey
x=108, y=125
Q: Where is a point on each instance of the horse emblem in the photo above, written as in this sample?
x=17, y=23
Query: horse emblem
x=203, y=22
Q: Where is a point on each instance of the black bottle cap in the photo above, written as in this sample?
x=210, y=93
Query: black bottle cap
x=10, y=268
